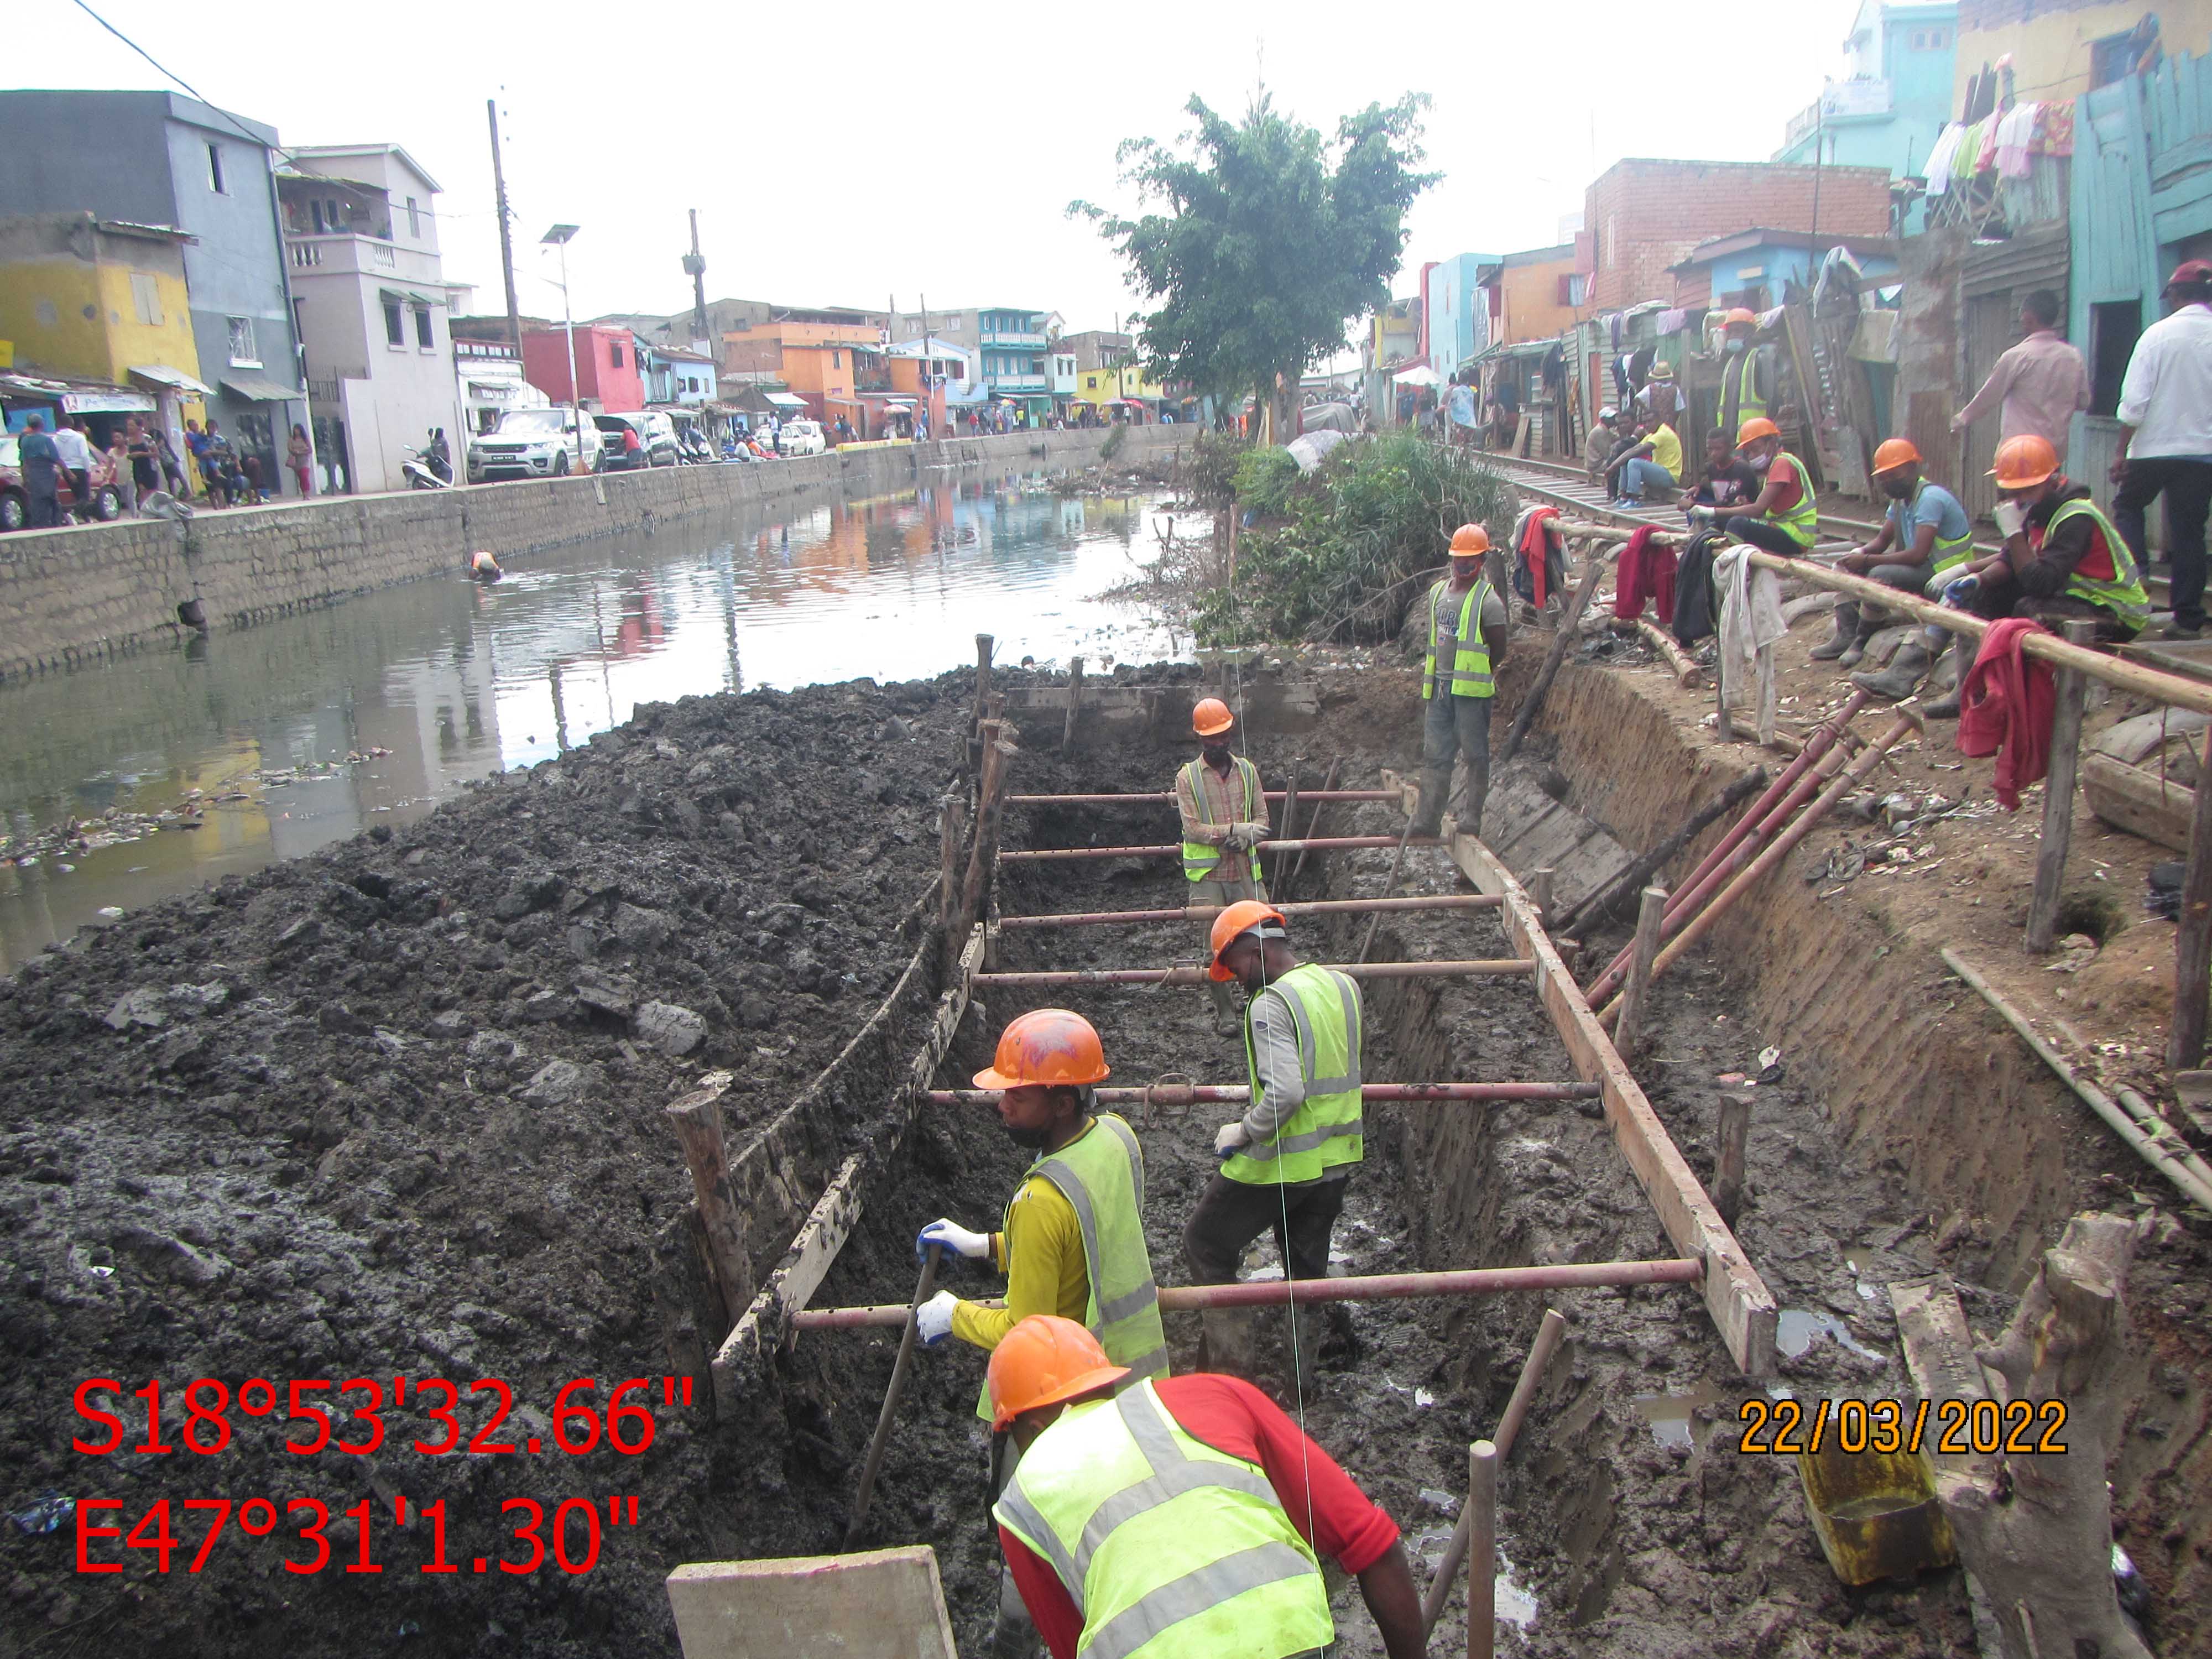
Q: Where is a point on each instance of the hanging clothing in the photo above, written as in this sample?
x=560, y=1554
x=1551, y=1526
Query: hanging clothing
x=1985, y=151
x=2054, y=128
x=1694, y=586
x=2013, y=135
x=1543, y=562
x=2006, y=705
x=1940, y=160
x=1646, y=571
x=1751, y=616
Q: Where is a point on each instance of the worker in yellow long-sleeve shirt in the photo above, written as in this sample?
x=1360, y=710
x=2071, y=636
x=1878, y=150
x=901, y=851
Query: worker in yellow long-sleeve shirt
x=1073, y=1242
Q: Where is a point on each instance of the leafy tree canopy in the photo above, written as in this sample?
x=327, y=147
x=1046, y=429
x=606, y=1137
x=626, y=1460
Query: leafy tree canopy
x=1264, y=239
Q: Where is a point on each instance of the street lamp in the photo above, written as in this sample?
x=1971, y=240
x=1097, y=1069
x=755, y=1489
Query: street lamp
x=559, y=237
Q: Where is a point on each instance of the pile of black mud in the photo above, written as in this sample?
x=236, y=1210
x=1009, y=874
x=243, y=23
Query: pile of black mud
x=395, y=1111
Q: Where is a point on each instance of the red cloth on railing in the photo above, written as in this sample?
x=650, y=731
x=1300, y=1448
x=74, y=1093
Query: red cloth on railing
x=1646, y=571
x=2006, y=708
x=1535, y=546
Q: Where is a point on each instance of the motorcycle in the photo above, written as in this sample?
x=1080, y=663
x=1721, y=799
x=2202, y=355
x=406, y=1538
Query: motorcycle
x=431, y=467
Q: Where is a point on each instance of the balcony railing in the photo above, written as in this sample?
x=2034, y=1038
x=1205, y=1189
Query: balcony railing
x=1842, y=100
x=1015, y=382
x=1012, y=342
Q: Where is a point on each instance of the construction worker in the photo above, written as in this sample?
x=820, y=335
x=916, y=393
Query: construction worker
x=1183, y=1519
x=1224, y=818
x=2061, y=560
x=1287, y=1160
x=1466, y=623
x=1925, y=539
x=1785, y=519
x=1072, y=1242
x=1745, y=377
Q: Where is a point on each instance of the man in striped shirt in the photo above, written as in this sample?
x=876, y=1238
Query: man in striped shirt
x=1225, y=817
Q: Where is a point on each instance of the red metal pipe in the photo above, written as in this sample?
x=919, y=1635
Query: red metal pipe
x=1508, y=965
x=1231, y=1094
x=1324, y=844
x=1168, y=797
x=1313, y=907
x=1372, y=1287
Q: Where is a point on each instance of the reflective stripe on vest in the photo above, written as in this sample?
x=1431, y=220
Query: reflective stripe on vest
x=1199, y=860
x=2124, y=595
x=1749, y=403
x=1155, y=1535
x=1470, y=670
x=1801, y=523
x=1328, y=1130
x=1947, y=555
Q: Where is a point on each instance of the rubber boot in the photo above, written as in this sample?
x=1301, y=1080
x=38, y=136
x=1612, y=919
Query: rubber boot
x=1845, y=637
x=1902, y=677
x=1436, y=788
x=1945, y=708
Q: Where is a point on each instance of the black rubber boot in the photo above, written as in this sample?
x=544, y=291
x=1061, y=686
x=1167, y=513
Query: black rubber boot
x=1945, y=708
x=1845, y=638
x=1902, y=677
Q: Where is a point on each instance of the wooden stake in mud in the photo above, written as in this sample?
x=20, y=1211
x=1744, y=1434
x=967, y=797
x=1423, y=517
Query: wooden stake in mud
x=952, y=926
x=2192, y=944
x=1313, y=823
x=923, y=1288
x=2058, y=796
x=1482, y=1550
x=1289, y=819
x=982, y=710
x=1569, y=625
x=990, y=799
x=1649, y=917
x=1540, y=893
x=697, y=1121
x=1727, y=1164
x=1389, y=881
x=1074, y=704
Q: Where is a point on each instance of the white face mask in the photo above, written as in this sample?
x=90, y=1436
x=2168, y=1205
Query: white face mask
x=1736, y=345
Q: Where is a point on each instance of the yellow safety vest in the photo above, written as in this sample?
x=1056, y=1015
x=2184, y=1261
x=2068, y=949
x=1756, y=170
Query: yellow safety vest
x=1947, y=555
x=1199, y=860
x=1327, y=1131
x=1749, y=404
x=1168, y=1548
x=2123, y=596
x=1470, y=669
x=1801, y=523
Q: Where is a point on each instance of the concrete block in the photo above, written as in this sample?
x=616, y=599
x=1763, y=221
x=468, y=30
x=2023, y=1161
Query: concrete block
x=880, y=1604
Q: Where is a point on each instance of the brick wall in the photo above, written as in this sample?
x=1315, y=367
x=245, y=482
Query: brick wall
x=1646, y=215
x=68, y=596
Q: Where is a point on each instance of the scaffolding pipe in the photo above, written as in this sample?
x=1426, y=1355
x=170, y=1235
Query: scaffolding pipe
x=1372, y=1287
x=1503, y=967
x=1237, y=1094
x=1322, y=844
x=1167, y=797
x=1313, y=907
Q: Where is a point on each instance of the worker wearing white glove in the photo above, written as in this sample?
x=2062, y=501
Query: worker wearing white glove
x=1225, y=816
x=1229, y=1137
x=933, y=1320
x=953, y=1236
x=1243, y=837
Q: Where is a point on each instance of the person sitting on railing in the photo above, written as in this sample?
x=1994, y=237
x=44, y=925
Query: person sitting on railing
x=1924, y=541
x=1785, y=519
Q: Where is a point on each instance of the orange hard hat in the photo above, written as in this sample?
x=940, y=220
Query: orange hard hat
x=2024, y=461
x=1894, y=452
x=1043, y=1360
x=1239, y=918
x=1052, y=1047
x=1470, y=538
x=1753, y=430
x=1211, y=717
x=1748, y=318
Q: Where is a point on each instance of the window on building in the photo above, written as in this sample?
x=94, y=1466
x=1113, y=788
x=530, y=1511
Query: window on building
x=414, y=218
x=2113, y=330
x=836, y=359
x=423, y=337
x=215, y=170
x=395, y=324
x=614, y=354
x=2112, y=57
x=242, y=352
x=146, y=299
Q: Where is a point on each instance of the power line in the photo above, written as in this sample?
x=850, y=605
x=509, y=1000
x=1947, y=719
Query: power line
x=171, y=75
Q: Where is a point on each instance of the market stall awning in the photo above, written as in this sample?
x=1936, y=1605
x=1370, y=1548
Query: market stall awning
x=257, y=389
x=162, y=374
x=1419, y=374
x=784, y=400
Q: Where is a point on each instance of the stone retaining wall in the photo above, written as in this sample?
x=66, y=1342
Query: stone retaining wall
x=69, y=595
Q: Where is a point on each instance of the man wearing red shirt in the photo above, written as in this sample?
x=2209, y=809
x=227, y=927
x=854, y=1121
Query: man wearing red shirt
x=1173, y=1515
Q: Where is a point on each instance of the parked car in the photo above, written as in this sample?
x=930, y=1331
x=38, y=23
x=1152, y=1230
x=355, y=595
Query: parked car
x=16, y=505
x=656, y=435
x=801, y=438
x=536, y=443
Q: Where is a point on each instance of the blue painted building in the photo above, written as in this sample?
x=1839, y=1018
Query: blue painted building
x=1013, y=345
x=1755, y=268
x=1890, y=106
x=1455, y=310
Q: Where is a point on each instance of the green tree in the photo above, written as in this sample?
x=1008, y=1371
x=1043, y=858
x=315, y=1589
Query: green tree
x=1265, y=240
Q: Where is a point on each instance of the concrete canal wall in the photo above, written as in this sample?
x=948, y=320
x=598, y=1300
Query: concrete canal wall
x=69, y=595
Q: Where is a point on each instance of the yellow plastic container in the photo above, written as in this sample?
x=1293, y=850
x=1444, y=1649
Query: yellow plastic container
x=1876, y=1513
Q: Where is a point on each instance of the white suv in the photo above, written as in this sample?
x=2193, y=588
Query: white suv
x=801, y=438
x=536, y=443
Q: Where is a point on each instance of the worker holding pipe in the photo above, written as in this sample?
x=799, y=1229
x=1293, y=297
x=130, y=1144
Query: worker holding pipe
x=1467, y=622
x=1224, y=818
x=1072, y=1242
x=1287, y=1160
x=1178, y=1519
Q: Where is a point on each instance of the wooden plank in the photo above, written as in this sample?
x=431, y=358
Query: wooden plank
x=2058, y=831
x=879, y=1604
x=1939, y=1354
x=1743, y=1309
x=2139, y=801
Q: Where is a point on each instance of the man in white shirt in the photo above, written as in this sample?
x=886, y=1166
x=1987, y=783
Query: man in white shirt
x=2166, y=437
x=76, y=461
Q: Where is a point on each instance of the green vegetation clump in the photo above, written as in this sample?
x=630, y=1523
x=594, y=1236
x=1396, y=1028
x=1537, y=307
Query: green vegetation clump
x=1264, y=480
x=1114, y=438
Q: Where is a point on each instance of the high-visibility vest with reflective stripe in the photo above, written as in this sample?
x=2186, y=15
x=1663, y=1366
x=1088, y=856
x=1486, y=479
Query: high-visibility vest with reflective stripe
x=1168, y=1548
x=1748, y=403
x=1201, y=861
x=1801, y=523
x=2124, y=595
x=1470, y=669
x=1327, y=1130
x=1947, y=554
x=1101, y=1173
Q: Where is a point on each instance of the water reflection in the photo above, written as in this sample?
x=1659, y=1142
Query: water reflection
x=457, y=681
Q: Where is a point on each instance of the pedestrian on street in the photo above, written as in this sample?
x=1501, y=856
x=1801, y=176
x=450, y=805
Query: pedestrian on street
x=42, y=475
x=75, y=451
x=172, y=467
x=145, y=456
x=300, y=455
x=1178, y=1519
x=119, y=462
x=1466, y=626
x=2037, y=385
x=1224, y=818
x=2166, y=437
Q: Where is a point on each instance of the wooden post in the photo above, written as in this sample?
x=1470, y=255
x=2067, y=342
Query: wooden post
x=1728, y=1163
x=990, y=799
x=1723, y=726
x=1649, y=915
x=982, y=677
x=1289, y=825
x=951, y=923
x=2192, y=944
x=2058, y=796
x=1766, y=701
x=1482, y=1550
x=697, y=1121
x=1540, y=893
x=1074, y=703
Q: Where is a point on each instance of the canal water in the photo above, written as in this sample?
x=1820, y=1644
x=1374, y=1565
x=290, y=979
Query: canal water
x=300, y=732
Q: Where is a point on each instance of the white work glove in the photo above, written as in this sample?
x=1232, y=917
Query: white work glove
x=954, y=1237
x=933, y=1320
x=1243, y=837
x=1229, y=1137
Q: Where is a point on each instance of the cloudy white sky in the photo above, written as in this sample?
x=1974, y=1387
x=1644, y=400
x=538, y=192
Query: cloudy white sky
x=846, y=155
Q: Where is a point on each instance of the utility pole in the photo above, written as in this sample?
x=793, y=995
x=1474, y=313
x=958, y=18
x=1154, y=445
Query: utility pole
x=935, y=408
x=696, y=268
x=506, y=235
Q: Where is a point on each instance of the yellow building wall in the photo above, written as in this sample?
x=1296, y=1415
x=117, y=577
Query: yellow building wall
x=2051, y=50
x=105, y=344
x=1103, y=386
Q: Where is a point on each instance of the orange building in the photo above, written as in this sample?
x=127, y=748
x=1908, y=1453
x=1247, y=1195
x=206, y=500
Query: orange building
x=810, y=352
x=1533, y=295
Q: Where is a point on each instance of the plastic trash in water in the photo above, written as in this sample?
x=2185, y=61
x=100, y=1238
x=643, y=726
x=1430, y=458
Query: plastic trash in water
x=46, y=1515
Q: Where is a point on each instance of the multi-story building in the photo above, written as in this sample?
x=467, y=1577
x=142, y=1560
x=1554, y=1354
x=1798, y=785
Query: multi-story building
x=1895, y=95
x=2058, y=49
x=607, y=377
x=1098, y=348
x=1532, y=295
x=1392, y=341
x=361, y=232
x=1015, y=345
x=1456, y=318
x=683, y=378
x=161, y=159
x=491, y=381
